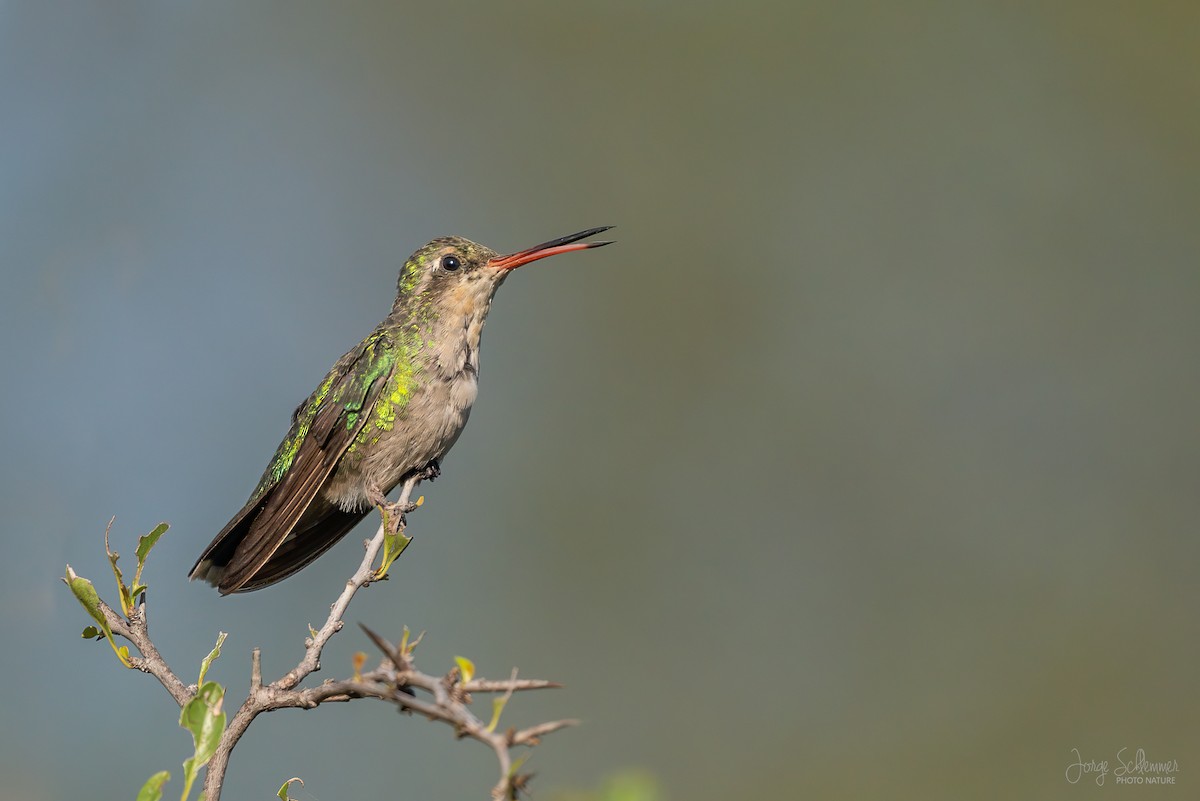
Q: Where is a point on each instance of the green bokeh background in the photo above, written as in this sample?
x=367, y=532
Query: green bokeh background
x=865, y=465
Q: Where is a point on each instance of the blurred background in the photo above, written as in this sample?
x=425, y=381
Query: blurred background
x=864, y=465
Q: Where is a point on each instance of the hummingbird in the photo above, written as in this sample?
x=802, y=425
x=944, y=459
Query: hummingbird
x=389, y=410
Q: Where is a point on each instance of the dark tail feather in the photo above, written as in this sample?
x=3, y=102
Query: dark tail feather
x=213, y=564
x=310, y=540
x=224, y=560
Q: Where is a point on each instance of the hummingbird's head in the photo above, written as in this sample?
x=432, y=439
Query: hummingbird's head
x=453, y=271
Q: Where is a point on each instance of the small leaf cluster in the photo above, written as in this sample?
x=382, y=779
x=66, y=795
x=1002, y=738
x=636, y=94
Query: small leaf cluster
x=202, y=715
x=85, y=591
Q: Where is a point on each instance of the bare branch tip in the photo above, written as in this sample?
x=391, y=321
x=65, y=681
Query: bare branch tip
x=256, y=669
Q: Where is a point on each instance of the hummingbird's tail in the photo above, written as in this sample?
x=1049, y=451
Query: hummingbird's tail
x=318, y=529
x=303, y=546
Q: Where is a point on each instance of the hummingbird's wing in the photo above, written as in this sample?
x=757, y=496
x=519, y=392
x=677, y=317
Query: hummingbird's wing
x=287, y=500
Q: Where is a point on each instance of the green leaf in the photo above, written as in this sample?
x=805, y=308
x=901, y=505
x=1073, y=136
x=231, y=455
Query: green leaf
x=190, y=769
x=85, y=593
x=93, y=633
x=152, y=789
x=497, y=708
x=203, y=717
x=283, y=791
x=148, y=541
x=466, y=667
x=393, y=546
x=122, y=591
x=145, y=543
x=631, y=786
x=213, y=654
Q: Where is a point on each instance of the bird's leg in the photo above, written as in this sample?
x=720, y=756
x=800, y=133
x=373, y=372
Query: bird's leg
x=393, y=513
x=430, y=471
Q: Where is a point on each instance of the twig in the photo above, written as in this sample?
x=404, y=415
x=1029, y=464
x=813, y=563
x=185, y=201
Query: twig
x=489, y=686
x=533, y=734
x=450, y=706
x=333, y=624
x=278, y=694
x=136, y=629
x=395, y=680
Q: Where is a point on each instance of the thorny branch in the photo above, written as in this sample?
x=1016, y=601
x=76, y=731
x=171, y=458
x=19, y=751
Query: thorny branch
x=396, y=680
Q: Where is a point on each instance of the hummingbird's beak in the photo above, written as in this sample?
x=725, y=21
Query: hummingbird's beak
x=552, y=248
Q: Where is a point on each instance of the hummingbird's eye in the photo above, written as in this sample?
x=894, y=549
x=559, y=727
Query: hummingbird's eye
x=450, y=263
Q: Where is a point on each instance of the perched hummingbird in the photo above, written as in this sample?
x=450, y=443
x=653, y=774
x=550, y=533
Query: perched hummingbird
x=389, y=409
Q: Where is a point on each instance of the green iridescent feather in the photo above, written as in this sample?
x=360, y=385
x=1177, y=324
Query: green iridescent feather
x=349, y=384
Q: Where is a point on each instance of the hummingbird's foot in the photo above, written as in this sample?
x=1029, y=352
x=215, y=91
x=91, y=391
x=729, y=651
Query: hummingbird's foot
x=430, y=471
x=393, y=513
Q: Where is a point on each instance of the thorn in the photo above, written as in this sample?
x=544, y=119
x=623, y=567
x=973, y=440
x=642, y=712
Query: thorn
x=388, y=649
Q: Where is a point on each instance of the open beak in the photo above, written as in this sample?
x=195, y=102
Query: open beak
x=564, y=244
